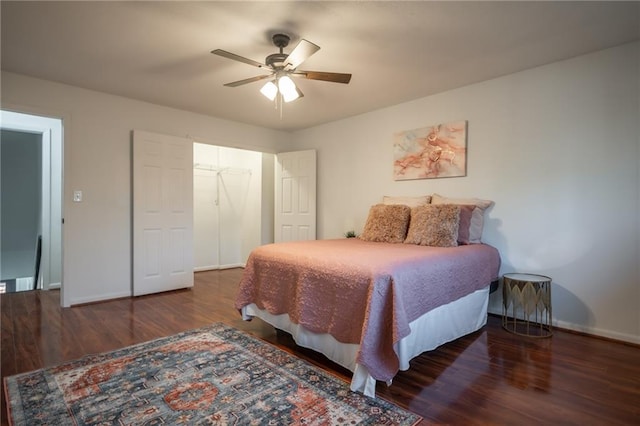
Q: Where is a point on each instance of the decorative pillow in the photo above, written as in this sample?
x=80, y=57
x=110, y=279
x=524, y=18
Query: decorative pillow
x=466, y=210
x=477, y=218
x=434, y=225
x=387, y=223
x=407, y=201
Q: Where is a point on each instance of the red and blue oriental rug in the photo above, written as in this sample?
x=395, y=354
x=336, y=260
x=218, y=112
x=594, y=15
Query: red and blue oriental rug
x=212, y=375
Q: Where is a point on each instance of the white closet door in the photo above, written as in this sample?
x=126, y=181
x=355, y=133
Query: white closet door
x=205, y=217
x=233, y=191
x=162, y=213
x=295, y=194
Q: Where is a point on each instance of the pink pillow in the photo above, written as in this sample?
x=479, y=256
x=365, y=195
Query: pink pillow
x=466, y=211
x=477, y=218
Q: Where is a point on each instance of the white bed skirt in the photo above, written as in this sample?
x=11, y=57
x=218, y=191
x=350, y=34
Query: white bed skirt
x=438, y=326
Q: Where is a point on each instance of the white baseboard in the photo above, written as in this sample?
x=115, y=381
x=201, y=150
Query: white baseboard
x=598, y=332
x=624, y=337
x=82, y=300
x=232, y=265
x=53, y=286
x=215, y=268
x=205, y=268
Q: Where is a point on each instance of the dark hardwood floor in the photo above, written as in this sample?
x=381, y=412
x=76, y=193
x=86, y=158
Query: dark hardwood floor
x=490, y=376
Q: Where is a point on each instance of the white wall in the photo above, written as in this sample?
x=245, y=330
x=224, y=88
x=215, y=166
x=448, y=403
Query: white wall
x=556, y=148
x=97, y=160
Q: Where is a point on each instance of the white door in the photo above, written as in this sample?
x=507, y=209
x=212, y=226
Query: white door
x=206, y=235
x=295, y=194
x=162, y=213
x=205, y=218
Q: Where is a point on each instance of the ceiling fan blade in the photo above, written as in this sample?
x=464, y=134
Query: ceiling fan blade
x=238, y=58
x=247, y=80
x=299, y=54
x=333, y=77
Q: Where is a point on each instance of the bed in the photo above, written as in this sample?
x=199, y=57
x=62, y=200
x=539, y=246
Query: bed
x=417, y=277
x=369, y=306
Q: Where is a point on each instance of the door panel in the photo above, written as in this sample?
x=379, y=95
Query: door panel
x=205, y=217
x=162, y=213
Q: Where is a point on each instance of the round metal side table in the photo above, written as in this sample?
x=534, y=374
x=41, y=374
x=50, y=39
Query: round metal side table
x=526, y=304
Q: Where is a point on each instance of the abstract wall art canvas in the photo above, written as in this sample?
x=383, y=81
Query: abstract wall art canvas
x=436, y=151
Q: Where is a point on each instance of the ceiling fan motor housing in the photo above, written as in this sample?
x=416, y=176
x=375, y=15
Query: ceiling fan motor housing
x=281, y=40
x=276, y=60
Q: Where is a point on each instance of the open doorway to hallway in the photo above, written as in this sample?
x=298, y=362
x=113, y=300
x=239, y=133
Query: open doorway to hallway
x=31, y=202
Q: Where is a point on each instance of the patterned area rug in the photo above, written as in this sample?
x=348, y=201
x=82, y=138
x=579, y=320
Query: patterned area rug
x=212, y=375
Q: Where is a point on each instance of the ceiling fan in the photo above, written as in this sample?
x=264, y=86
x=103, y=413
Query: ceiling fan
x=282, y=67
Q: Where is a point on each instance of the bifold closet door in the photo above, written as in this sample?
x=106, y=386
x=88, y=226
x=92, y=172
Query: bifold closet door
x=206, y=219
x=162, y=213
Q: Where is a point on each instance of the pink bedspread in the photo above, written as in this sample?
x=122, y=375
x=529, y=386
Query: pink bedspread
x=363, y=292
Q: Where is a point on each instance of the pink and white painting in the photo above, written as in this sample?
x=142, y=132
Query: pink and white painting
x=431, y=152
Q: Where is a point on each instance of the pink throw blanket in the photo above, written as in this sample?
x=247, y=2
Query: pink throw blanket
x=363, y=292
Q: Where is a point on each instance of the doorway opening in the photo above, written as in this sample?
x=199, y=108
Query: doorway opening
x=231, y=196
x=31, y=205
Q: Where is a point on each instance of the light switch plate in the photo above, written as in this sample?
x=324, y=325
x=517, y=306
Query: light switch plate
x=77, y=196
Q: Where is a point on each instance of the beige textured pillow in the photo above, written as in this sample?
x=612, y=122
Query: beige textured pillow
x=387, y=223
x=407, y=201
x=477, y=217
x=434, y=225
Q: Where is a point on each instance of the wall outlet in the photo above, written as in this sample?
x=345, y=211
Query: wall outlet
x=77, y=196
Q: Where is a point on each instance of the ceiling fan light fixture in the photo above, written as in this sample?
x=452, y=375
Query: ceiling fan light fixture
x=288, y=89
x=270, y=90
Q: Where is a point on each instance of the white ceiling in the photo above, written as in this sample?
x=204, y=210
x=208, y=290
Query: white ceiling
x=397, y=51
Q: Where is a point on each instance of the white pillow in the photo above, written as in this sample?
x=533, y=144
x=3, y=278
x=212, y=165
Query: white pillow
x=407, y=201
x=477, y=217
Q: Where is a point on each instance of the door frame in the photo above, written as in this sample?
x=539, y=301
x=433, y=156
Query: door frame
x=51, y=129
